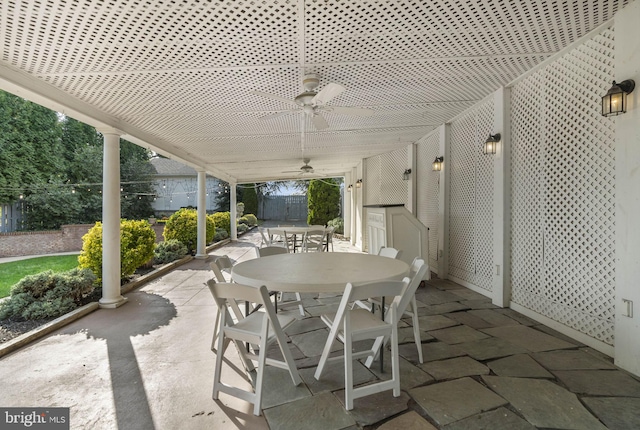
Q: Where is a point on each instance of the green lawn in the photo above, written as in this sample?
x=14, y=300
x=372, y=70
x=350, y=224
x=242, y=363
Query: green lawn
x=11, y=273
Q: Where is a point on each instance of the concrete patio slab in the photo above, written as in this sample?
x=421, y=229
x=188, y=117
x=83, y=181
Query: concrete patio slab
x=455, y=400
x=544, y=403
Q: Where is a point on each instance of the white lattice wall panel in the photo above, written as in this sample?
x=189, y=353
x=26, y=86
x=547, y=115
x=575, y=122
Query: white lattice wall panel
x=568, y=161
x=471, y=202
x=383, y=179
x=428, y=191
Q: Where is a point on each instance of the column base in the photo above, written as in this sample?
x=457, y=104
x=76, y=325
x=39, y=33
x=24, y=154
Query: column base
x=113, y=303
x=201, y=256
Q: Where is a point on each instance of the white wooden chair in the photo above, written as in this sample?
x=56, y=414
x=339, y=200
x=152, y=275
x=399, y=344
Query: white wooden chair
x=408, y=305
x=275, y=250
x=265, y=238
x=260, y=328
x=278, y=237
x=389, y=252
x=313, y=240
x=351, y=325
x=219, y=266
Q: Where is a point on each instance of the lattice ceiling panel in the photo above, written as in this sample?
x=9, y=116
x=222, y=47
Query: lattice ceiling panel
x=179, y=75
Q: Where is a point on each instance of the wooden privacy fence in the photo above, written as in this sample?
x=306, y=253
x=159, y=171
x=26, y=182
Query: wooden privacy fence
x=287, y=208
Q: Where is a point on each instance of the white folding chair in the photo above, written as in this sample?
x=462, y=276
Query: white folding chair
x=313, y=240
x=389, y=252
x=265, y=238
x=275, y=250
x=219, y=266
x=278, y=237
x=351, y=325
x=261, y=328
x=408, y=305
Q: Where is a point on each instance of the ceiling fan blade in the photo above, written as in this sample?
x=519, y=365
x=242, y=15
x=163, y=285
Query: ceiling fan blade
x=277, y=114
x=329, y=92
x=345, y=110
x=319, y=122
x=274, y=97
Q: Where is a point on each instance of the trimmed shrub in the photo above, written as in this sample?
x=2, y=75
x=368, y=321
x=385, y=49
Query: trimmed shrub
x=323, y=200
x=242, y=228
x=223, y=220
x=243, y=220
x=338, y=224
x=221, y=234
x=250, y=199
x=251, y=220
x=183, y=226
x=47, y=294
x=168, y=251
x=137, y=241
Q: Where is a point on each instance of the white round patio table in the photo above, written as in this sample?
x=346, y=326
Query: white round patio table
x=317, y=272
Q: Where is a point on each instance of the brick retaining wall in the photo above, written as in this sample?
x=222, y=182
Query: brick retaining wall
x=67, y=239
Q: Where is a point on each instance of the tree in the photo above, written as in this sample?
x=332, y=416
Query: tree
x=250, y=199
x=136, y=175
x=323, y=201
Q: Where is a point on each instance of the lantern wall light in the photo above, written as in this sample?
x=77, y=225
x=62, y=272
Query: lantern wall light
x=491, y=144
x=406, y=174
x=615, y=101
x=437, y=164
x=359, y=183
x=349, y=188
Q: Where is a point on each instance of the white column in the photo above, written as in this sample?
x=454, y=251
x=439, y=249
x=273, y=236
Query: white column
x=412, y=185
x=443, y=203
x=111, y=297
x=347, y=204
x=201, y=251
x=501, y=294
x=233, y=211
x=627, y=152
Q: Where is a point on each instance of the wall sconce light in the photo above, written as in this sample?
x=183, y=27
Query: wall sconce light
x=437, y=164
x=359, y=183
x=407, y=174
x=491, y=144
x=349, y=188
x=615, y=101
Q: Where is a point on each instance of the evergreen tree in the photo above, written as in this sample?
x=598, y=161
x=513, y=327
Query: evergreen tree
x=323, y=201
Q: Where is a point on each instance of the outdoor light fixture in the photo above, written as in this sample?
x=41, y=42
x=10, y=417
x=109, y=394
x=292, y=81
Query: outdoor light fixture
x=615, y=101
x=359, y=183
x=349, y=188
x=407, y=174
x=491, y=144
x=437, y=164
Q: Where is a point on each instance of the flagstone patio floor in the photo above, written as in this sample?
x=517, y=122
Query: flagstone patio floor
x=148, y=365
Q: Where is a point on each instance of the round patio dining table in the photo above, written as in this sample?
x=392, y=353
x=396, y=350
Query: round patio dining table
x=317, y=272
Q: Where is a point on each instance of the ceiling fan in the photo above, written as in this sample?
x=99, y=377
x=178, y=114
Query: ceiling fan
x=306, y=168
x=313, y=104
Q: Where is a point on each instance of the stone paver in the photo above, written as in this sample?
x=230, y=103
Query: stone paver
x=528, y=338
x=305, y=325
x=570, y=360
x=494, y=318
x=455, y=400
x=469, y=320
x=517, y=316
x=320, y=412
x=312, y=343
x=544, y=403
x=286, y=392
x=519, y=366
x=479, y=304
x=465, y=294
x=411, y=376
x=501, y=418
x=436, y=297
x=405, y=335
x=333, y=377
x=441, y=309
x=486, y=349
x=458, y=334
x=455, y=368
x=618, y=413
x=376, y=407
x=435, y=322
x=439, y=350
x=599, y=382
x=409, y=421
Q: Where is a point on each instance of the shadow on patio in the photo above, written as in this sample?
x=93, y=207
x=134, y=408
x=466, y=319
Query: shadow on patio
x=148, y=365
